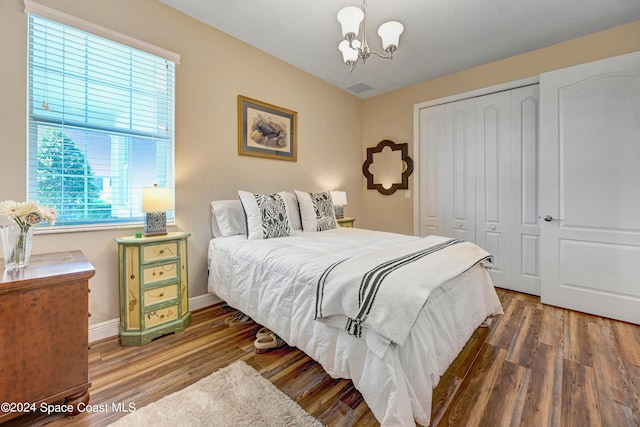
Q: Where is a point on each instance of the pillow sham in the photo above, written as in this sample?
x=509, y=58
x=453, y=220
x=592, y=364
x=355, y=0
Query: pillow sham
x=293, y=211
x=316, y=211
x=214, y=223
x=266, y=215
x=227, y=218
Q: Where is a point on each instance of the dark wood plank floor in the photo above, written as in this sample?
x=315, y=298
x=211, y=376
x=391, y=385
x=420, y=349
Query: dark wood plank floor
x=537, y=365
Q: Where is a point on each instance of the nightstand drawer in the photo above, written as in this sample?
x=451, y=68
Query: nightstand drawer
x=158, y=317
x=158, y=295
x=160, y=272
x=159, y=251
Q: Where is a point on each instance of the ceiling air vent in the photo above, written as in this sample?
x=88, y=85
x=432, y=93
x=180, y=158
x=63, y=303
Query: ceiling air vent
x=359, y=87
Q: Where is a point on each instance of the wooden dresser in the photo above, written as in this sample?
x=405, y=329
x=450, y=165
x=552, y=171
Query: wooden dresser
x=44, y=333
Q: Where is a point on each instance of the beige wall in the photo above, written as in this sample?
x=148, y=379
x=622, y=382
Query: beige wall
x=390, y=116
x=214, y=70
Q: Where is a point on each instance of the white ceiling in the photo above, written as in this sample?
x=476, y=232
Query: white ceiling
x=440, y=37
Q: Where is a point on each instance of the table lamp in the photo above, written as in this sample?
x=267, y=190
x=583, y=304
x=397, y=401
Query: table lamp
x=339, y=199
x=155, y=202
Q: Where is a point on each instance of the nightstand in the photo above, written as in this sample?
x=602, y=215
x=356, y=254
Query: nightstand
x=154, y=287
x=346, y=222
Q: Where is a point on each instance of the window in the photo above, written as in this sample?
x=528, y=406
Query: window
x=101, y=124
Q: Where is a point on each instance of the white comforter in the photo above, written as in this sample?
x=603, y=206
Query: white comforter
x=274, y=281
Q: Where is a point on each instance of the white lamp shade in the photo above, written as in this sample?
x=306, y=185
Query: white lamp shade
x=390, y=32
x=350, y=18
x=348, y=53
x=156, y=199
x=339, y=198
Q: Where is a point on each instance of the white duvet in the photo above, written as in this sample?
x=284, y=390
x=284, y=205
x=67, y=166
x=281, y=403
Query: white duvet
x=274, y=282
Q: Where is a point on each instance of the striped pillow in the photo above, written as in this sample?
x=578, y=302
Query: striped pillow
x=266, y=215
x=316, y=211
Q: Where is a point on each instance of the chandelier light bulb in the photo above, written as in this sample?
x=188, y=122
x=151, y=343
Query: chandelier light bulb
x=350, y=18
x=390, y=32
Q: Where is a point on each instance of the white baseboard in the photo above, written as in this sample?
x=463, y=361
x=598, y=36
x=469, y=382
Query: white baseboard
x=109, y=328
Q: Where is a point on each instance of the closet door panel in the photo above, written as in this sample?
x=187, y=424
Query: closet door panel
x=526, y=227
x=459, y=170
x=493, y=182
x=431, y=161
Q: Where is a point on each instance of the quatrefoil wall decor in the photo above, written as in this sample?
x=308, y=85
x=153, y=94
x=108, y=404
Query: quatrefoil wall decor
x=406, y=168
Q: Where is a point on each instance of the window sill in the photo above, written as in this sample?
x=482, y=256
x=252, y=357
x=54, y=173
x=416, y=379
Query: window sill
x=91, y=228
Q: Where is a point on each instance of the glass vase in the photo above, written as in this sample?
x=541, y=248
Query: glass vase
x=16, y=245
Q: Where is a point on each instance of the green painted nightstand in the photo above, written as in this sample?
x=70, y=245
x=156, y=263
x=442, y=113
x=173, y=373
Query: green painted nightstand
x=154, y=287
x=346, y=222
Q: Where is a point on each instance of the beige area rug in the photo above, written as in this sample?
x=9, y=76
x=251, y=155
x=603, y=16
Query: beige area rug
x=233, y=396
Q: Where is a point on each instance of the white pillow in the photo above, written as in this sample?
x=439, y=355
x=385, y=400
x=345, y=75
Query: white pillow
x=214, y=223
x=316, y=211
x=227, y=218
x=293, y=211
x=266, y=215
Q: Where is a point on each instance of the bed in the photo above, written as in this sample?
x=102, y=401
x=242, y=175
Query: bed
x=276, y=280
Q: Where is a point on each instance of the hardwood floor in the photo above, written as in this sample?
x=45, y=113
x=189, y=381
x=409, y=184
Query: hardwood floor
x=536, y=365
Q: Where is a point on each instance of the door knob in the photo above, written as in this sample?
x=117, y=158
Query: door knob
x=549, y=218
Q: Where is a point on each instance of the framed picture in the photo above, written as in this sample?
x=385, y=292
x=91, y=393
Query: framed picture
x=265, y=130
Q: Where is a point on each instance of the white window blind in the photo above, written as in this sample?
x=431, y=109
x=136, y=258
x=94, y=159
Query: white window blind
x=101, y=124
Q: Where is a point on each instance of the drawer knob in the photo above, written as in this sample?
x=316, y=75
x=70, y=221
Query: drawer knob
x=89, y=314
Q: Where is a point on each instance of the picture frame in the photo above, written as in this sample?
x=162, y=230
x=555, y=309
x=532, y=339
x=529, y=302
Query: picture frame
x=266, y=130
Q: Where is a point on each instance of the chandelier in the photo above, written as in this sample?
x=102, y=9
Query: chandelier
x=353, y=49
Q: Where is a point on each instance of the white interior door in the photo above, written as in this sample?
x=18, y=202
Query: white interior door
x=590, y=187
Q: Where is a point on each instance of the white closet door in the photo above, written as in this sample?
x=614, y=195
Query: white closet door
x=431, y=163
x=459, y=173
x=590, y=187
x=525, y=227
x=493, y=182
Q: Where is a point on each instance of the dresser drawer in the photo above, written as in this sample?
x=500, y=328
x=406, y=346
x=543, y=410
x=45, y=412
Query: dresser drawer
x=159, y=251
x=158, y=295
x=157, y=273
x=163, y=315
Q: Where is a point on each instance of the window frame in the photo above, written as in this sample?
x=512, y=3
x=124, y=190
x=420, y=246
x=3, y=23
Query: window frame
x=32, y=120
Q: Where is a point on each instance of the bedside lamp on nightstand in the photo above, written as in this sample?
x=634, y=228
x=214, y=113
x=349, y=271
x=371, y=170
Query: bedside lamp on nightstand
x=155, y=202
x=339, y=199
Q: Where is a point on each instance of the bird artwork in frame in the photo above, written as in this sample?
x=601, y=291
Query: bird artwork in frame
x=265, y=130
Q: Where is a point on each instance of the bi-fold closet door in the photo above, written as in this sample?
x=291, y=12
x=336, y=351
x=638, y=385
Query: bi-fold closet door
x=478, y=179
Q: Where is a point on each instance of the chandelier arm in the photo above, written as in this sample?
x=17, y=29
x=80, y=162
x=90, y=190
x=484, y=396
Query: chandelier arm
x=381, y=55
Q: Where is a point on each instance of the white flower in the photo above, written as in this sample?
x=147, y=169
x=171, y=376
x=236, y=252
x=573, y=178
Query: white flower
x=27, y=213
x=9, y=208
x=33, y=218
x=49, y=214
